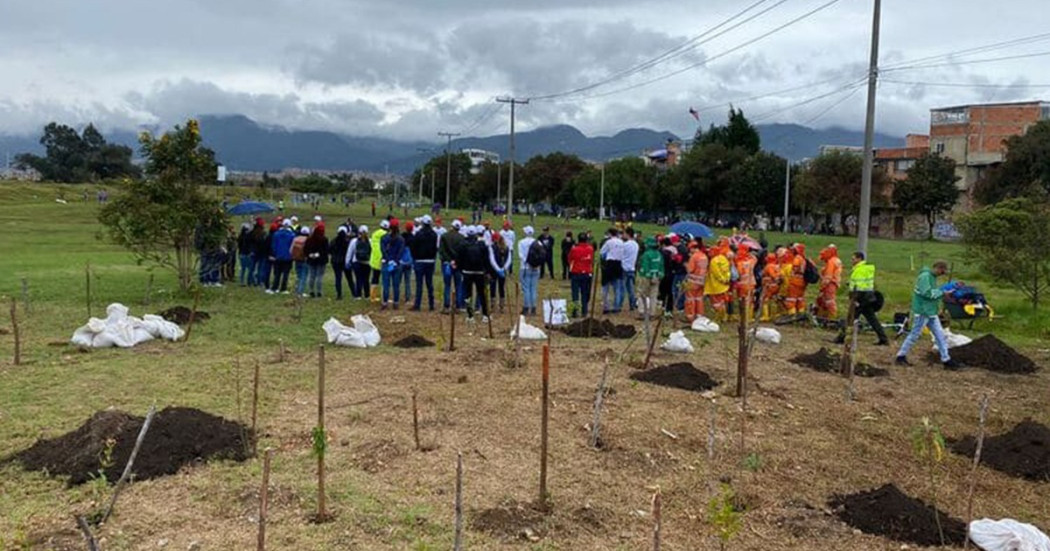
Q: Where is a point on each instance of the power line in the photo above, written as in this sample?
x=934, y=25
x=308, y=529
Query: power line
x=481, y=120
x=969, y=62
x=807, y=101
x=974, y=50
x=964, y=84
x=835, y=104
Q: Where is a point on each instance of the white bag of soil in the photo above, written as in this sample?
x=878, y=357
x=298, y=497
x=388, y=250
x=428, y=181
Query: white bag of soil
x=705, y=325
x=362, y=335
x=528, y=332
x=368, y=330
x=767, y=335
x=555, y=315
x=1007, y=535
x=952, y=339
x=676, y=342
x=124, y=331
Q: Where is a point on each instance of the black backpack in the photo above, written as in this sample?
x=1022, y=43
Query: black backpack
x=810, y=274
x=537, y=255
x=363, y=251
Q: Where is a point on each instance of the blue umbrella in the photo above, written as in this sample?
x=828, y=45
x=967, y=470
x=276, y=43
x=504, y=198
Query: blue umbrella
x=695, y=229
x=249, y=207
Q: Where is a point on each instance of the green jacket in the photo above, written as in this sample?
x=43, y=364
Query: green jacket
x=926, y=299
x=862, y=277
x=652, y=262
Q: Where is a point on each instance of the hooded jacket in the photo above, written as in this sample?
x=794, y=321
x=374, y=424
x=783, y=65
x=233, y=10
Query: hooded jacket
x=652, y=263
x=281, y=245
x=719, y=274
x=376, y=260
x=926, y=298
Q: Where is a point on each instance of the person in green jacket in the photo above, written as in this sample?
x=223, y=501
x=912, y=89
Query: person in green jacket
x=925, y=304
x=650, y=272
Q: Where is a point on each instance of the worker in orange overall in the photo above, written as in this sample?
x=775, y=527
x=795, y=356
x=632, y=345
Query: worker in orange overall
x=796, y=293
x=785, y=259
x=830, y=279
x=745, y=283
x=770, y=286
x=716, y=287
x=696, y=277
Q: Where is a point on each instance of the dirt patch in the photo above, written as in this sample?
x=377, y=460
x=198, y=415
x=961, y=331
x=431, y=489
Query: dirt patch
x=413, y=341
x=373, y=457
x=679, y=375
x=1024, y=452
x=181, y=315
x=511, y=519
x=593, y=328
x=988, y=352
x=827, y=361
x=888, y=512
x=176, y=437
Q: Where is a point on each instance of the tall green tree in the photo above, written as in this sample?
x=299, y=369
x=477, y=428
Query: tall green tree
x=930, y=189
x=437, y=167
x=738, y=132
x=545, y=176
x=759, y=184
x=163, y=217
x=1025, y=172
x=1011, y=240
x=830, y=184
x=73, y=157
x=705, y=175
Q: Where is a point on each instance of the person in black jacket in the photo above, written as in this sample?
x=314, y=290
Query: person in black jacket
x=316, y=251
x=473, y=261
x=548, y=242
x=424, y=247
x=244, y=251
x=337, y=249
x=567, y=243
x=358, y=258
x=262, y=241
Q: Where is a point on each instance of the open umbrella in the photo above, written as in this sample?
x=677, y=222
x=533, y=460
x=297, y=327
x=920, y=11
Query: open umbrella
x=249, y=207
x=739, y=238
x=695, y=229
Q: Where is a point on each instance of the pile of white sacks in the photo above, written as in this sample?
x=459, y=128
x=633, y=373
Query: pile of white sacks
x=124, y=331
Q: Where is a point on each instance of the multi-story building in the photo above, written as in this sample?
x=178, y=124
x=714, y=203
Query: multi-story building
x=897, y=160
x=479, y=157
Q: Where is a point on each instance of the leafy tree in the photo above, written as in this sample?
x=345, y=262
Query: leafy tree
x=545, y=176
x=705, y=175
x=460, y=176
x=1025, y=170
x=930, y=188
x=759, y=186
x=161, y=218
x=72, y=157
x=830, y=184
x=1011, y=240
x=482, y=186
x=737, y=133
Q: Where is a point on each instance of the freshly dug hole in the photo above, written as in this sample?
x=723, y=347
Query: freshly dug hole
x=827, y=361
x=679, y=375
x=888, y=512
x=1024, y=452
x=988, y=352
x=413, y=341
x=181, y=315
x=593, y=328
x=176, y=437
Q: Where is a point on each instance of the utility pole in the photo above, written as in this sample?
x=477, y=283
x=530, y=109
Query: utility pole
x=448, y=165
x=499, y=177
x=423, y=175
x=601, y=200
x=510, y=184
x=869, y=135
x=787, y=194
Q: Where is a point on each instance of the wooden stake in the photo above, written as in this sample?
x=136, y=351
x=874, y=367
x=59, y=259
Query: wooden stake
x=264, y=499
x=599, y=399
x=488, y=306
x=648, y=325
x=149, y=291
x=92, y=543
x=321, y=514
x=711, y=432
x=280, y=350
x=982, y=416
x=131, y=461
x=652, y=343
x=87, y=287
x=415, y=420
x=452, y=315
x=457, y=544
x=25, y=294
x=15, y=331
x=741, y=360
x=543, y=425
x=193, y=314
x=847, y=348
x=656, y=520
x=595, y=280
x=255, y=409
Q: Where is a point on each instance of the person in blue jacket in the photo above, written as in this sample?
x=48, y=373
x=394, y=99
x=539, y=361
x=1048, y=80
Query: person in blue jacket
x=392, y=246
x=281, y=258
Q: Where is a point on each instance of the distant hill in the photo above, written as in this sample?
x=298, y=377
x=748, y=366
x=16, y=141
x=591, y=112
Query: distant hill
x=243, y=144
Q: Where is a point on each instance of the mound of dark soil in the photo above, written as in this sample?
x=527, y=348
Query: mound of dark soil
x=591, y=327
x=888, y=512
x=1023, y=452
x=181, y=315
x=414, y=341
x=988, y=352
x=511, y=520
x=827, y=361
x=679, y=375
x=176, y=437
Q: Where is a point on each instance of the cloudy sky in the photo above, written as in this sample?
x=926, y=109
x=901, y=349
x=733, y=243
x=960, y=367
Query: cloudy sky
x=411, y=68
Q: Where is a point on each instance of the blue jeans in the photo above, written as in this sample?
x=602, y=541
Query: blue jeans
x=615, y=288
x=391, y=279
x=676, y=291
x=315, y=276
x=301, y=272
x=406, y=276
x=628, y=288
x=530, y=282
x=424, y=276
x=581, y=290
x=453, y=277
x=262, y=272
x=917, y=323
x=247, y=275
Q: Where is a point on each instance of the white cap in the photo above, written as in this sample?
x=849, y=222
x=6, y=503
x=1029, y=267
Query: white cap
x=287, y=222
x=362, y=229
x=426, y=219
x=385, y=224
x=528, y=230
x=305, y=230
x=343, y=229
x=418, y=220
x=294, y=218
x=317, y=218
x=456, y=223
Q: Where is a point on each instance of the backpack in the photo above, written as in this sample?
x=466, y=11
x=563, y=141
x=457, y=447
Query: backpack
x=298, y=249
x=537, y=255
x=810, y=274
x=363, y=251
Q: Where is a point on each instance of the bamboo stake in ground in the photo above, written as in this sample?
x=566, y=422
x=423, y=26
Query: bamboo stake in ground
x=415, y=420
x=457, y=544
x=517, y=323
x=320, y=438
x=264, y=499
x=255, y=409
x=656, y=520
x=847, y=348
x=87, y=287
x=652, y=343
x=280, y=350
x=595, y=281
x=741, y=360
x=543, y=425
x=982, y=416
x=15, y=332
x=599, y=399
x=452, y=327
x=193, y=314
x=488, y=306
x=131, y=461
x=82, y=523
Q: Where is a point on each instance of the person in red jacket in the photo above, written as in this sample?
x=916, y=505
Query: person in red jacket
x=581, y=272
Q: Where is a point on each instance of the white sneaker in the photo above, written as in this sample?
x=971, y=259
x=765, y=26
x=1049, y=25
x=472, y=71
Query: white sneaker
x=269, y=291
x=284, y=292
x=484, y=319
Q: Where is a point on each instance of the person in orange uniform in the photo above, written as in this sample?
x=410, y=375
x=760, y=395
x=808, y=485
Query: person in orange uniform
x=796, y=293
x=770, y=286
x=696, y=277
x=745, y=284
x=716, y=287
x=785, y=258
x=830, y=279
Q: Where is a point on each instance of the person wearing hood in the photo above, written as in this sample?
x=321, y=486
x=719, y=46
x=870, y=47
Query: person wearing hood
x=302, y=271
x=316, y=250
x=745, y=284
x=337, y=249
x=696, y=277
x=650, y=274
x=358, y=260
x=548, y=244
x=449, y=245
x=281, y=253
x=770, y=286
x=796, y=292
x=719, y=277
x=244, y=253
x=376, y=260
x=392, y=247
x=830, y=279
x=424, y=247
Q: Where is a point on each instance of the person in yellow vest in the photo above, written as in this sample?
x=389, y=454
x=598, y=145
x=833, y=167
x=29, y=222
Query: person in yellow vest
x=830, y=279
x=862, y=293
x=376, y=259
x=716, y=287
x=695, y=278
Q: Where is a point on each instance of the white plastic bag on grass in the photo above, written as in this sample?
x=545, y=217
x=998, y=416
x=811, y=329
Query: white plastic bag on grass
x=342, y=335
x=368, y=330
x=528, y=332
x=1007, y=535
x=767, y=335
x=555, y=316
x=705, y=325
x=162, y=328
x=676, y=342
x=953, y=339
x=120, y=329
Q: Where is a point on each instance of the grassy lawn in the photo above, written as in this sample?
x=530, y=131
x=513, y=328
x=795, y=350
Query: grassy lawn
x=49, y=244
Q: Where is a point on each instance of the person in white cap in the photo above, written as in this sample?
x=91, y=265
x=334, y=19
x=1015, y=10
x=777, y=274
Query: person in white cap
x=448, y=247
x=376, y=259
x=532, y=257
x=358, y=259
x=473, y=260
x=509, y=239
x=424, y=247
x=281, y=257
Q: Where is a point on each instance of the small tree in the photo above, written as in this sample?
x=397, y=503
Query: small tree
x=929, y=190
x=928, y=443
x=1011, y=240
x=165, y=217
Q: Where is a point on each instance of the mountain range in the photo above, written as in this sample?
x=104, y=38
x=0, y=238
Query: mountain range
x=243, y=144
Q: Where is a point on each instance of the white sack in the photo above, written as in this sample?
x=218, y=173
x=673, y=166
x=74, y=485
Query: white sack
x=953, y=339
x=767, y=335
x=528, y=332
x=556, y=316
x=676, y=342
x=1007, y=535
x=368, y=330
x=705, y=325
x=342, y=335
x=120, y=329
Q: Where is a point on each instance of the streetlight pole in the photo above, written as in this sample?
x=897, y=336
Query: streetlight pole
x=601, y=200
x=448, y=165
x=510, y=185
x=869, y=135
x=499, y=176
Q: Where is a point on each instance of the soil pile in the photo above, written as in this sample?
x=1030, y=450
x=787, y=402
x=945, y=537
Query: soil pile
x=181, y=315
x=414, y=341
x=888, y=512
x=1023, y=452
x=679, y=375
x=988, y=352
x=591, y=327
x=827, y=361
x=176, y=437
x=511, y=519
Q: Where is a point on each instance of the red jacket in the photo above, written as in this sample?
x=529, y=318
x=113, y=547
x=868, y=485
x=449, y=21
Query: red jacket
x=581, y=259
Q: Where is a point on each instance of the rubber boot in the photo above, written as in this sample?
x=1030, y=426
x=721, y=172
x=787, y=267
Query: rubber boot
x=374, y=294
x=765, y=312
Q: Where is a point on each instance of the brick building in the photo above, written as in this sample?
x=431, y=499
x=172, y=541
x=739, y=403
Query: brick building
x=897, y=160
